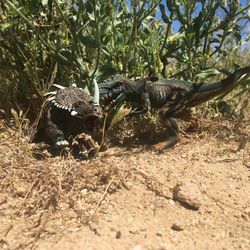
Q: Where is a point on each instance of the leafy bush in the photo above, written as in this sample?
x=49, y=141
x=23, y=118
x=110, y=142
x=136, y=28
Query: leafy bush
x=49, y=41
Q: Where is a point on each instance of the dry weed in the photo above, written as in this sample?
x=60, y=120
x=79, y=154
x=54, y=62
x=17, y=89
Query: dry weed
x=41, y=190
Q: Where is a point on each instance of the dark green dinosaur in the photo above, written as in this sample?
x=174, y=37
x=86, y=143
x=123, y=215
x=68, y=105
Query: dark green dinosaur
x=171, y=98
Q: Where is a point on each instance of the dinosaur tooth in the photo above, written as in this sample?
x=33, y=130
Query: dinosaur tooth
x=58, y=105
x=73, y=113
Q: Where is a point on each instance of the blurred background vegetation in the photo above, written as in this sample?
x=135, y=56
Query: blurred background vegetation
x=62, y=41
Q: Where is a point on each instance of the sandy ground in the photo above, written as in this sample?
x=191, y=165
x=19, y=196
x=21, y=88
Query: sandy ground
x=123, y=199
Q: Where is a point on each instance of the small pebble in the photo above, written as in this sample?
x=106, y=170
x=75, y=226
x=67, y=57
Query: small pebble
x=118, y=235
x=3, y=199
x=189, y=194
x=177, y=227
x=4, y=245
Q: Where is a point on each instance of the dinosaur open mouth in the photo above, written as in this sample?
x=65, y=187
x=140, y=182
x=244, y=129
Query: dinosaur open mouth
x=90, y=123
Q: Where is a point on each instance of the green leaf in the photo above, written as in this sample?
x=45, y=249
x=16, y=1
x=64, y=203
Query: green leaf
x=237, y=35
x=208, y=73
x=61, y=59
x=44, y=2
x=91, y=16
x=163, y=14
x=106, y=71
x=89, y=41
x=119, y=115
x=12, y=6
x=215, y=40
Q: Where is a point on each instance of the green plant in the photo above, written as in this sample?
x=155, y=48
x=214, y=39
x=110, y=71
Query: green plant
x=42, y=42
x=205, y=26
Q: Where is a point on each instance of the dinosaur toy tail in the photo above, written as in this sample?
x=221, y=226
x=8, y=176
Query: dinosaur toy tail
x=206, y=91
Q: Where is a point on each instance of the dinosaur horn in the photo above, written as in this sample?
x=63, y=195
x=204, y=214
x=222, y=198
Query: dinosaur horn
x=96, y=97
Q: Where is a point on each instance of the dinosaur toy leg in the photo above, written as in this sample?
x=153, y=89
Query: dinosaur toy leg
x=186, y=115
x=174, y=137
x=55, y=134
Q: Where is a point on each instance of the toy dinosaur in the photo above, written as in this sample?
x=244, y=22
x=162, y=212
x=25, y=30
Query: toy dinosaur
x=171, y=98
x=68, y=113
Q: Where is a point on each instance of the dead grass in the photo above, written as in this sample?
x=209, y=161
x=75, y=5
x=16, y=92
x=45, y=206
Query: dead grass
x=40, y=190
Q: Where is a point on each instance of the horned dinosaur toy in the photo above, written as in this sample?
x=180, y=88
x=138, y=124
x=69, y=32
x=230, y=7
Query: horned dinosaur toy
x=172, y=98
x=68, y=116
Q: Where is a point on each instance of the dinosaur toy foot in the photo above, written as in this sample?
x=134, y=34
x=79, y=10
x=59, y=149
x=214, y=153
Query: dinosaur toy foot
x=163, y=146
x=158, y=147
x=84, y=146
x=61, y=144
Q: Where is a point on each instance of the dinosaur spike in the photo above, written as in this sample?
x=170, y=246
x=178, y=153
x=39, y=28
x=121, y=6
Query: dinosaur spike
x=57, y=105
x=51, y=98
x=73, y=113
x=58, y=86
x=50, y=93
x=96, y=97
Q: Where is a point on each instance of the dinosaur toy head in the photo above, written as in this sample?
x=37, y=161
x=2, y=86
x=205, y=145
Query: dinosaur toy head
x=110, y=89
x=76, y=103
x=119, y=87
